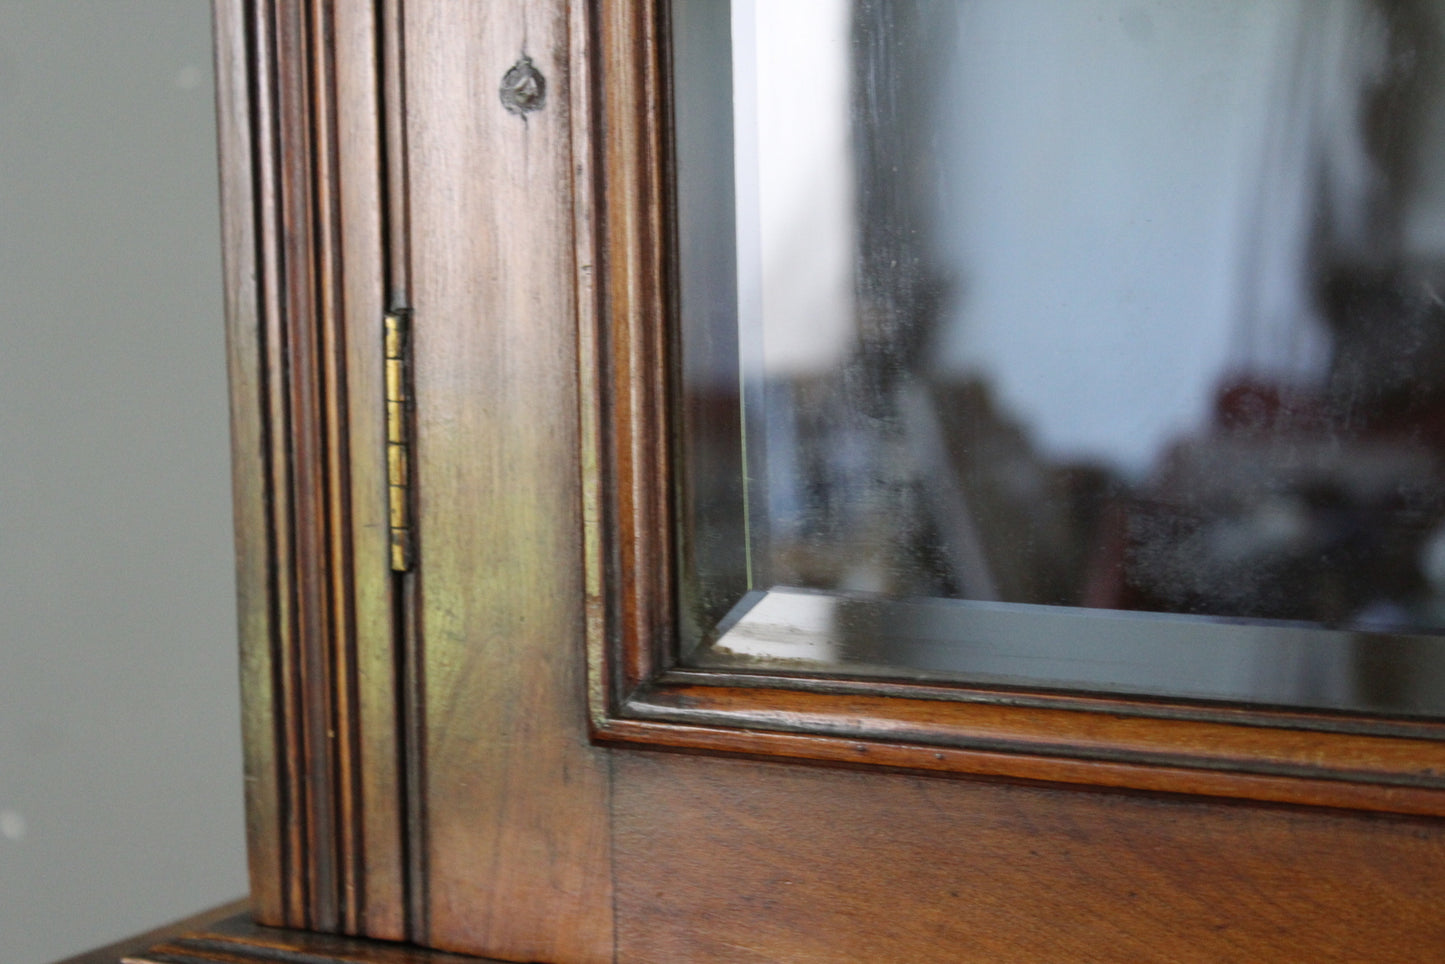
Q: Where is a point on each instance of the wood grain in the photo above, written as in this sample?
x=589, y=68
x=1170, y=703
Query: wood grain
x=729, y=860
x=1401, y=770
x=515, y=822
x=407, y=659
x=247, y=375
x=622, y=150
x=305, y=281
x=301, y=279
x=368, y=673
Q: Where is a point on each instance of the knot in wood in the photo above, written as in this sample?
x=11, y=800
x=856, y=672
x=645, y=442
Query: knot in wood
x=524, y=89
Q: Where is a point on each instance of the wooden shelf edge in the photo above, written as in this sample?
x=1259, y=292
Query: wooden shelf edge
x=228, y=935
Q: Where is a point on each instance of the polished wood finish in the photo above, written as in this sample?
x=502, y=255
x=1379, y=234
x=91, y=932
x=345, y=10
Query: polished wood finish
x=623, y=324
x=368, y=667
x=370, y=695
x=237, y=940
x=734, y=861
x=420, y=762
x=1395, y=769
x=515, y=821
x=237, y=119
x=302, y=197
x=228, y=935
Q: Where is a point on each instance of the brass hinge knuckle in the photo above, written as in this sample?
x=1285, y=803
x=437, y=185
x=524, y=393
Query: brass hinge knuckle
x=398, y=438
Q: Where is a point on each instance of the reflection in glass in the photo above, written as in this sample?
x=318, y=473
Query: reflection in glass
x=1100, y=304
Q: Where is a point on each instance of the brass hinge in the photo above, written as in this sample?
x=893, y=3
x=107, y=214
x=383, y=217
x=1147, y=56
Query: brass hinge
x=398, y=438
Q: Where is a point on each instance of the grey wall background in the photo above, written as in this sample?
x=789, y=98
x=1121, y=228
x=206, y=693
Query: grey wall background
x=120, y=769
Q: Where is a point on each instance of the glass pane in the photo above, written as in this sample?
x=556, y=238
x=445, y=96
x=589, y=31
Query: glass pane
x=1096, y=344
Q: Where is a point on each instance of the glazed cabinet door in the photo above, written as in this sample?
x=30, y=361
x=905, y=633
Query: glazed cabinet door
x=480, y=715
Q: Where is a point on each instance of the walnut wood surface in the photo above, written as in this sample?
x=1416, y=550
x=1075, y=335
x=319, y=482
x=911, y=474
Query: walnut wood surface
x=863, y=723
x=302, y=198
x=236, y=116
x=367, y=670
x=515, y=821
x=622, y=322
x=736, y=861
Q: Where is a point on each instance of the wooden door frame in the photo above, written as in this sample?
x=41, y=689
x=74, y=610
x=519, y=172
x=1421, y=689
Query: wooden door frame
x=641, y=697
x=346, y=820
x=306, y=271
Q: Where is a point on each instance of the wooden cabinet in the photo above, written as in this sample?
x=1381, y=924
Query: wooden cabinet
x=492, y=750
